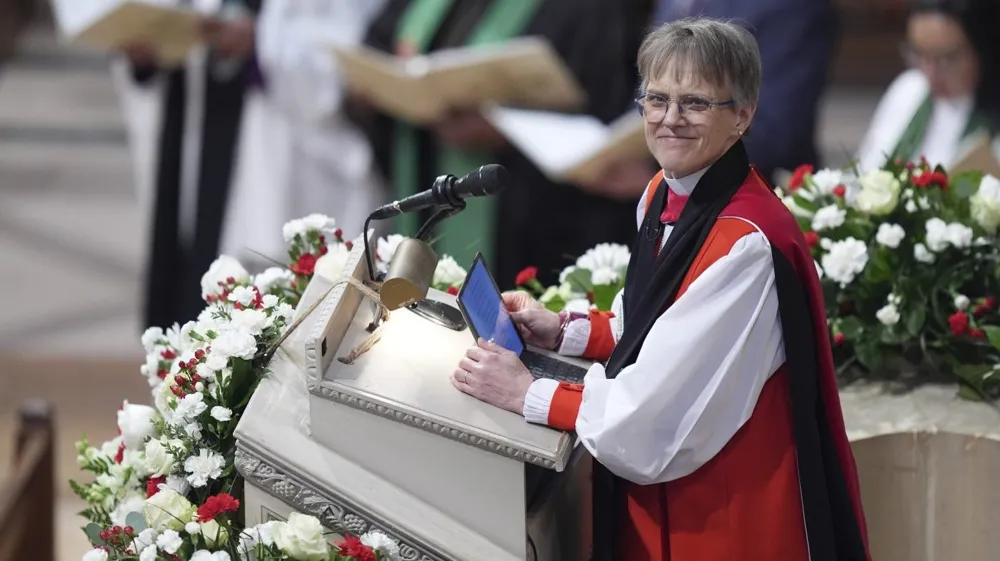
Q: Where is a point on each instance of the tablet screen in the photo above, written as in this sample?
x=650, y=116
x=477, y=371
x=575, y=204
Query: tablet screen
x=482, y=304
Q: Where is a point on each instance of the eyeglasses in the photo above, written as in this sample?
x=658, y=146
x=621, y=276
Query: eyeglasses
x=654, y=106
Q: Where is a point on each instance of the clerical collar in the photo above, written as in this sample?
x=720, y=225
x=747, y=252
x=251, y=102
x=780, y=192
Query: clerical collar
x=684, y=186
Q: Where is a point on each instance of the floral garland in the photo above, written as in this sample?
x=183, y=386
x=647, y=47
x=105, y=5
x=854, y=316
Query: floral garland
x=166, y=488
x=592, y=282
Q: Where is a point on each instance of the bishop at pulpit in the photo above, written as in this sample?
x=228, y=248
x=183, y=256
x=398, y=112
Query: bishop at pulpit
x=380, y=439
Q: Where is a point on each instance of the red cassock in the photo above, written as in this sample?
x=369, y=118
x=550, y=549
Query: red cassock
x=767, y=495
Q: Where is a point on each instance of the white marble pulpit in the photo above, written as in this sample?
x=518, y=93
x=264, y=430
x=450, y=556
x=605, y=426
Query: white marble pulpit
x=388, y=443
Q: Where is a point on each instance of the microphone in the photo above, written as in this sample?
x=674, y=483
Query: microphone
x=449, y=191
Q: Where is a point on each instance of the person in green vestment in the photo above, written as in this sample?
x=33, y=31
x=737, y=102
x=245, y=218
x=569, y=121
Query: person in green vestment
x=534, y=222
x=949, y=100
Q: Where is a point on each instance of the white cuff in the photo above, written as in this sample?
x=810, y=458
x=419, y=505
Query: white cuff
x=575, y=338
x=538, y=400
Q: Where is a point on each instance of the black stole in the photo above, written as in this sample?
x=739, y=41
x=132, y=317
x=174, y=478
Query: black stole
x=651, y=284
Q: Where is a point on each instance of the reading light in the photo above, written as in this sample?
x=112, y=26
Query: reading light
x=410, y=274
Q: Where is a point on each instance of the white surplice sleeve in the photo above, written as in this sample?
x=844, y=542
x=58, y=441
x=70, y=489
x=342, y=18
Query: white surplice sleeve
x=697, y=377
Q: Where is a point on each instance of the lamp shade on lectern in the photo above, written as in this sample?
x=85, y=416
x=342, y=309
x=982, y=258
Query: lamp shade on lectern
x=411, y=271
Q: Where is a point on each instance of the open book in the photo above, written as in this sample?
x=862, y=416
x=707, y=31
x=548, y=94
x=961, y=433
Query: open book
x=524, y=72
x=569, y=148
x=113, y=24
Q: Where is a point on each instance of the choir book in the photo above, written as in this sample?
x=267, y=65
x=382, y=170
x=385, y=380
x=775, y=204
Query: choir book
x=523, y=72
x=566, y=147
x=113, y=24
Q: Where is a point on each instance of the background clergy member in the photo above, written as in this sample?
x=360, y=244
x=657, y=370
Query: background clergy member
x=543, y=223
x=196, y=134
x=713, y=413
x=949, y=100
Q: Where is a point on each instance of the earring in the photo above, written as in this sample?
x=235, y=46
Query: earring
x=739, y=132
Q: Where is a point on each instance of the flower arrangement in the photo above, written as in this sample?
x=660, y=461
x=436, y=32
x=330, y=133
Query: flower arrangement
x=166, y=488
x=448, y=276
x=592, y=282
x=909, y=262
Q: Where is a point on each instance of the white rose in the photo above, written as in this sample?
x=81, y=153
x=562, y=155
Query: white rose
x=879, y=192
x=937, y=234
x=331, y=266
x=235, y=342
x=159, y=460
x=828, y=217
x=222, y=269
x=922, y=254
x=192, y=528
x=136, y=424
x=448, y=272
x=167, y=510
x=961, y=302
x=95, y=555
x=301, y=538
x=213, y=533
x=888, y=315
x=845, y=260
x=890, y=235
x=985, y=204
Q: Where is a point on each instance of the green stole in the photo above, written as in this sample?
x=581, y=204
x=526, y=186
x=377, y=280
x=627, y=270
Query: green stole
x=913, y=135
x=473, y=229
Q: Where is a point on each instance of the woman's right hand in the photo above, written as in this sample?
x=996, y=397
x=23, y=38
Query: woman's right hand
x=539, y=326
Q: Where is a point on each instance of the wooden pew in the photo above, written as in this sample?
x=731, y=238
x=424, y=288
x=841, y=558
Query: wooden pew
x=27, y=498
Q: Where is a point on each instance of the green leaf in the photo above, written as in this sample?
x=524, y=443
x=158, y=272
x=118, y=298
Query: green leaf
x=93, y=532
x=851, y=327
x=868, y=355
x=993, y=333
x=580, y=280
x=136, y=521
x=604, y=296
x=916, y=316
x=240, y=382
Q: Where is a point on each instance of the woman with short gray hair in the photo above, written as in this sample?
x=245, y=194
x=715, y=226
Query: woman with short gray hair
x=712, y=407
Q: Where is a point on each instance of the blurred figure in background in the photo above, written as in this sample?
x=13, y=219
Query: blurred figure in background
x=534, y=222
x=195, y=133
x=796, y=40
x=950, y=98
x=330, y=164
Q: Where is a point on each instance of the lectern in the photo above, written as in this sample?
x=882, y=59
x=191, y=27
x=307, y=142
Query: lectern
x=386, y=442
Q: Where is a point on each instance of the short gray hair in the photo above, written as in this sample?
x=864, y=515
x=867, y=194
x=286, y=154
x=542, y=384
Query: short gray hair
x=722, y=53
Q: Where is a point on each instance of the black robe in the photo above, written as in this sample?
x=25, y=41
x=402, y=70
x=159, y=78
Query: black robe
x=539, y=223
x=175, y=268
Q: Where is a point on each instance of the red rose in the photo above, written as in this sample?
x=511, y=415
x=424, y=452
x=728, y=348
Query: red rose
x=959, y=323
x=839, y=191
x=453, y=291
x=526, y=275
x=799, y=176
x=305, y=265
x=839, y=338
x=812, y=239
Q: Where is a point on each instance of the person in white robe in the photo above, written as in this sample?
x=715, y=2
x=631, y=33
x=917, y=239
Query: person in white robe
x=200, y=137
x=329, y=161
x=948, y=103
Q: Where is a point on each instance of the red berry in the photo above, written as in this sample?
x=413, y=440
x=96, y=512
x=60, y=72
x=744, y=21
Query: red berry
x=195, y=378
x=177, y=390
x=129, y=530
x=105, y=535
x=839, y=338
x=199, y=354
x=180, y=380
x=116, y=530
x=230, y=280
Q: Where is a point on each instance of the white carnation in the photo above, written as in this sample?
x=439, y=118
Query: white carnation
x=222, y=269
x=604, y=276
x=148, y=553
x=922, y=254
x=605, y=256
x=205, y=555
x=845, y=260
x=243, y=295
x=961, y=302
x=136, y=424
x=274, y=277
x=221, y=414
x=910, y=206
x=381, y=543
x=169, y=541
x=985, y=204
x=95, y=555
x=385, y=249
x=190, y=407
x=825, y=180
x=828, y=217
x=959, y=235
x=235, y=342
x=251, y=321
x=937, y=234
x=890, y=235
x=207, y=465
x=448, y=272
x=293, y=228
x=320, y=222
x=578, y=305
x=151, y=338
x=333, y=263
x=269, y=301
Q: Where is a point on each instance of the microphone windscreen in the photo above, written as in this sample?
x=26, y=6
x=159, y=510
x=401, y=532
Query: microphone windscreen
x=488, y=180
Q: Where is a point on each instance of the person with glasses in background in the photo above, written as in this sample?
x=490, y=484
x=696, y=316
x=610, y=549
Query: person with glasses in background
x=948, y=102
x=712, y=410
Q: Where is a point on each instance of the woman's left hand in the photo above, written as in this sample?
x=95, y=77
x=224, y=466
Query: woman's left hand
x=495, y=375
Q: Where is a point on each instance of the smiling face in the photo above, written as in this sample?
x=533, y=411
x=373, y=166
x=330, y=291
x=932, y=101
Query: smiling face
x=685, y=142
x=937, y=46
